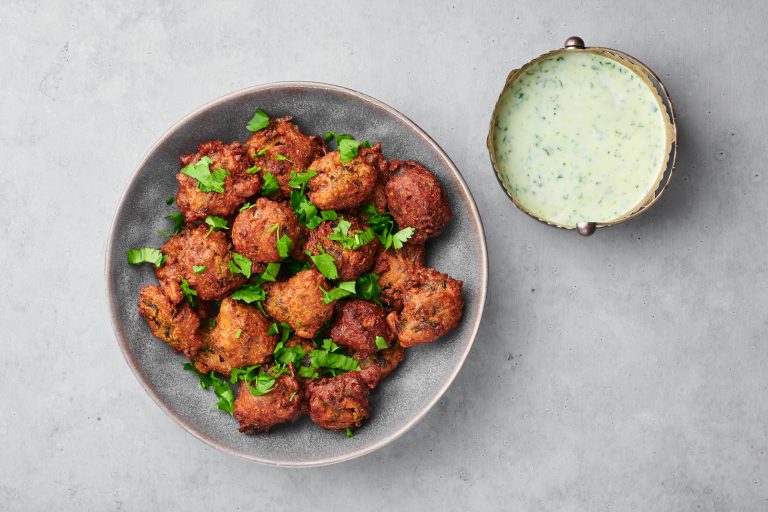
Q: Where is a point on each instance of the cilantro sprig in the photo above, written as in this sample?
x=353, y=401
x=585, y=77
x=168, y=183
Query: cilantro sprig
x=347, y=145
x=207, y=181
x=305, y=210
x=270, y=185
x=220, y=388
x=385, y=227
x=366, y=287
x=146, y=255
x=354, y=240
x=240, y=264
x=259, y=121
x=217, y=223
x=324, y=263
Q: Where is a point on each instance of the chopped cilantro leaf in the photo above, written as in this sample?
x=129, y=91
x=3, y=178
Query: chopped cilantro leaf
x=238, y=333
x=351, y=241
x=270, y=274
x=178, y=221
x=381, y=343
x=273, y=329
x=198, y=268
x=386, y=229
x=329, y=136
x=215, y=223
x=284, y=246
x=189, y=292
x=345, y=289
x=349, y=433
x=402, y=236
x=239, y=264
x=329, y=215
x=169, y=200
x=250, y=293
x=280, y=157
x=259, y=121
x=253, y=170
x=298, y=180
x=270, y=185
x=246, y=373
x=293, y=395
x=327, y=360
x=220, y=388
x=146, y=255
x=324, y=263
x=246, y=206
x=347, y=145
x=261, y=152
x=294, y=267
x=368, y=287
x=207, y=181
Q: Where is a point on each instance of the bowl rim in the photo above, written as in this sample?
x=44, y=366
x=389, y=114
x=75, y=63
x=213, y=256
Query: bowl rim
x=139, y=373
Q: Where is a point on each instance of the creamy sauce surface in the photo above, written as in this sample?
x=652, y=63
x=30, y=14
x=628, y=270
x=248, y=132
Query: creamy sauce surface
x=579, y=137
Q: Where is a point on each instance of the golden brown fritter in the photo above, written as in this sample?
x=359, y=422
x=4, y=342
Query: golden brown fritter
x=254, y=233
x=374, y=158
x=377, y=366
x=432, y=306
x=285, y=403
x=299, y=302
x=416, y=199
x=358, y=323
x=239, y=339
x=351, y=263
x=176, y=325
x=336, y=403
x=282, y=138
x=196, y=247
x=340, y=185
x=238, y=185
x=394, y=268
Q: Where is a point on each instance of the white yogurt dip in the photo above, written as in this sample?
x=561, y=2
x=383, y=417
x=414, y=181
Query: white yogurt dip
x=579, y=137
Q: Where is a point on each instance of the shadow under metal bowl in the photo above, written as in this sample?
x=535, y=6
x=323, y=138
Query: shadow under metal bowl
x=576, y=44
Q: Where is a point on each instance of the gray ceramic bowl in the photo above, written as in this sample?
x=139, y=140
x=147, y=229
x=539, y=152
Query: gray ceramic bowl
x=401, y=400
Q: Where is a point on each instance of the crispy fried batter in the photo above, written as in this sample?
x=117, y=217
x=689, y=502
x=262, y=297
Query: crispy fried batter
x=394, y=268
x=350, y=263
x=195, y=247
x=239, y=339
x=285, y=403
x=299, y=302
x=238, y=185
x=340, y=185
x=339, y=402
x=282, y=137
x=358, y=323
x=432, y=306
x=254, y=233
x=374, y=158
x=377, y=366
x=416, y=199
x=176, y=325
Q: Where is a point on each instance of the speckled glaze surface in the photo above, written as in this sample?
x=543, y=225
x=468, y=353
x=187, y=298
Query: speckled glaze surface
x=399, y=402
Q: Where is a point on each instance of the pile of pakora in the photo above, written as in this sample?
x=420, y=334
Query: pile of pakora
x=293, y=280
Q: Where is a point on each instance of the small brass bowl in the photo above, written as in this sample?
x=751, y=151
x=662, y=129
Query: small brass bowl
x=576, y=44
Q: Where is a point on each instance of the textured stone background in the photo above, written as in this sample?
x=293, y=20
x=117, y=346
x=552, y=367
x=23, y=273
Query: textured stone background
x=623, y=372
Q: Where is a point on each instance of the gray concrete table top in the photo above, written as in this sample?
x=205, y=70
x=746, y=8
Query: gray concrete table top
x=628, y=371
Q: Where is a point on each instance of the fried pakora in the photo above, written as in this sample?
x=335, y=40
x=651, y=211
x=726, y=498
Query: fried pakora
x=299, y=302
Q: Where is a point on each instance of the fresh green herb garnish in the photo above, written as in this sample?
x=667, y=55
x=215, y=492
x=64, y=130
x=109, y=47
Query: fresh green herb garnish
x=146, y=255
x=238, y=333
x=198, y=268
x=178, y=221
x=270, y=274
x=293, y=267
x=284, y=245
x=247, y=373
x=285, y=332
x=259, y=121
x=329, y=215
x=298, y=180
x=293, y=395
x=332, y=362
x=215, y=223
x=239, y=264
x=348, y=146
x=349, y=433
x=169, y=200
x=220, y=388
x=207, y=181
x=270, y=185
x=253, y=170
x=324, y=263
x=250, y=293
x=368, y=287
x=280, y=157
x=349, y=240
x=386, y=229
x=261, y=152
x=381, y=343
x=246, y=206
x=344, y=289
x=188, y=292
